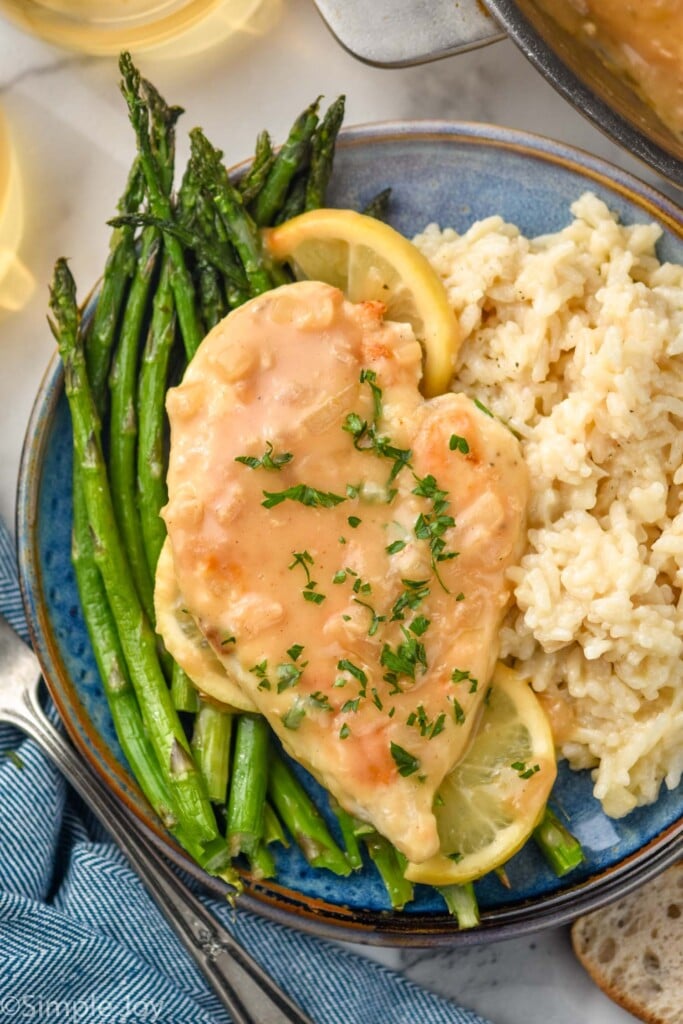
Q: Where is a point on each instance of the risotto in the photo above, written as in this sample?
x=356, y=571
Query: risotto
x=575, y=340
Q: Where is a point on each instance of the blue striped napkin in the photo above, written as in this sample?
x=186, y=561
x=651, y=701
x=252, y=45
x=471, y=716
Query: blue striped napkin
x=80, y=939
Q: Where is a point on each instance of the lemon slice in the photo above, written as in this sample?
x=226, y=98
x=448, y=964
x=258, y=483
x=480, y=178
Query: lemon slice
x=368, y=260
x=487, y=807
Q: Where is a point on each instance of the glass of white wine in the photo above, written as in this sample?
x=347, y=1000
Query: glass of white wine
x=109, y=26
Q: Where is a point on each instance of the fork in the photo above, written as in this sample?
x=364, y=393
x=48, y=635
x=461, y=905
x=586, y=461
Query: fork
x=241, y=984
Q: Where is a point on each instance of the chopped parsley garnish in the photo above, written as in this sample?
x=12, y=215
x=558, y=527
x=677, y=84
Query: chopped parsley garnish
x=420, y=720
x=482, y=407
x=524, y=771
x=354, y=521
x=267, y=461
x=309, y=593
x=395, y=547
x=229, y=640
x=344, y=731
x=419, y=625
x=403, y=660
x=344, y=665
x=413, y=595
x=320, y=700
x=339, y=576
x=304, y=494
x=458, y=712
x=261, y=672
x=406, y=763
x=288, y=675
x=295, y=651
x=350, y=705
x=459, y=675
x=293, y=718
x=458, y=444
x=375, y=619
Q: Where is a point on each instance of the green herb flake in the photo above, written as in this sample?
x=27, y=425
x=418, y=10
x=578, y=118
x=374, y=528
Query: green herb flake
x=419, y=625
x=395, y=547
x=406, y=763
x=458, y=711
x=305, y=495
x=339, y=577
x=524, y=771
x=288, y=675
x=267, y=461
x=293, y=718
x=482, y=407
x=228, y=640
x=350, y=706
x=458, y=444
x=294, y=652
x=354, y=522
x=313, y=596
x=344, y=732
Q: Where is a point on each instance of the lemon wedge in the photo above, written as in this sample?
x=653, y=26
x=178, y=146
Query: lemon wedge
x=488, y=806
x=368, y=260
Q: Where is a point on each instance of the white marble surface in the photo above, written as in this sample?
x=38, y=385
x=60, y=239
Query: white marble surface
x=74, y=147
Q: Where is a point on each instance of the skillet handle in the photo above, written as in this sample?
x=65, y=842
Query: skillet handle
x=399, y=33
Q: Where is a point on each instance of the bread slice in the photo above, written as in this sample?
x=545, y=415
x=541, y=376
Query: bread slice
x=633, y=949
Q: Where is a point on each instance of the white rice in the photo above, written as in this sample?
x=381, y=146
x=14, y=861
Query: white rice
x=576, y=341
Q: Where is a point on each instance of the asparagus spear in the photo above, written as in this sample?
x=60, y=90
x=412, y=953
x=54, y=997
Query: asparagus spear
x=183, y=692
x=166, y=735
x=295, y=203
x=322, y=155
x=211, y=749
x=378, y=205
x=248, y=785
x=461, y=901
x=559, y=847
x=151, y=391
x=123, y=421
x=293, y=154
x=350, y=831
x=160, y=204
x=240, y=227
x=303, y=820
x=253, y=181
x=118, y=272
x=391, y=866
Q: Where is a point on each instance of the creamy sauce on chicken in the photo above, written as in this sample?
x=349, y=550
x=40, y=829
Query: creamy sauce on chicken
x=342, y=544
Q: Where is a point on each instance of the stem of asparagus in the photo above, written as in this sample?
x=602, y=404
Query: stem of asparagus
x=322, y=155
x=241, y=229
x=183, y=691
x=151, y=392
x=391, y=866
x=123, y=704
x=560, y=848
x=211, y=749
x=293, y=155
x=261, y=862
x=461, y=901
x=303, y=820
x=138, y=642
x=250, y=767
x=119, y=270
x=348, y=827
x=253, y=181
x=123, y=428
x=160, y=204
x=379, y=205
x=272, y=826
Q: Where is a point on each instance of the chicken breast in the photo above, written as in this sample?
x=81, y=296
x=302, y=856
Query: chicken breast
x=343, y=544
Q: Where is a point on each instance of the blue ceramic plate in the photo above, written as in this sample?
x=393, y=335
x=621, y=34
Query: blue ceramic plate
x=454, y=174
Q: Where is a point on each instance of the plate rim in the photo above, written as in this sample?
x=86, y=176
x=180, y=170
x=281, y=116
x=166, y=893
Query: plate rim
x=285, y=906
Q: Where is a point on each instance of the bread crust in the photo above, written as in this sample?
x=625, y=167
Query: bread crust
x=633, y=949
